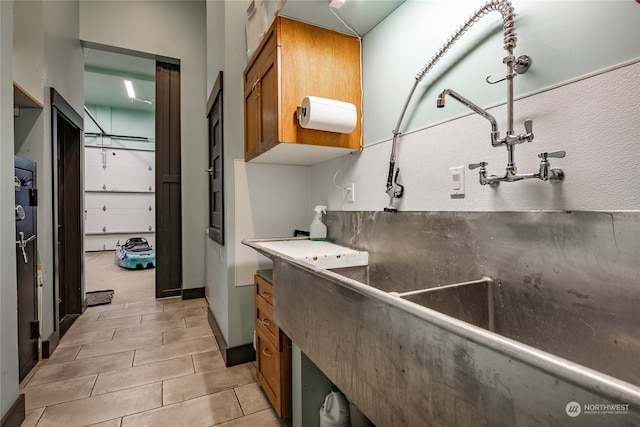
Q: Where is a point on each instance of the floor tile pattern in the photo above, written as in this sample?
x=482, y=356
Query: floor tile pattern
x=141, y=362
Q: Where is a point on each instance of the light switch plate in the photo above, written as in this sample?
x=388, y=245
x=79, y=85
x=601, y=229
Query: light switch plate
x=350, y=189
x=457, y=181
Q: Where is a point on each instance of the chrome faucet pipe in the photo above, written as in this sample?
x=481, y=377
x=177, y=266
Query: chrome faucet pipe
x=509, y=60
x=393, y=189
x=545, y=172
x=495, y=134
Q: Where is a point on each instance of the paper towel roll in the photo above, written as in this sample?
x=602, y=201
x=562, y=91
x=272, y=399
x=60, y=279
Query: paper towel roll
x=327, y=115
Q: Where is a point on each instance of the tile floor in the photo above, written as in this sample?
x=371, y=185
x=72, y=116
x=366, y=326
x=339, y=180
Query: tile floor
x=141, y=362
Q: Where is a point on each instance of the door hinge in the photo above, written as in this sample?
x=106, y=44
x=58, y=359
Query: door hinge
x=33, y=197
x=35, y=330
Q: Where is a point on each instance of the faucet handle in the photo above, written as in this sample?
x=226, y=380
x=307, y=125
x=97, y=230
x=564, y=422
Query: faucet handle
x=556, y=154
x=473, y=166
x=528, y=127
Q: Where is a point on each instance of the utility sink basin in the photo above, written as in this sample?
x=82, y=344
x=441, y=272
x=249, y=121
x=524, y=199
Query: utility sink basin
x=321, y=254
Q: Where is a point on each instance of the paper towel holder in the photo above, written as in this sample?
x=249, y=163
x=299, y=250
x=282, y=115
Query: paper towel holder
x=301, y=113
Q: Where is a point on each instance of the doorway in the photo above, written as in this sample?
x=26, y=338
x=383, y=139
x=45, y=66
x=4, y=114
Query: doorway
x=135, y=127
x=68, y=203
x=26, y=201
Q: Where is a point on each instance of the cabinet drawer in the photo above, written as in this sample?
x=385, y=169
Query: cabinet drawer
x=264, y=289
x=274, y=373
x=264, y=319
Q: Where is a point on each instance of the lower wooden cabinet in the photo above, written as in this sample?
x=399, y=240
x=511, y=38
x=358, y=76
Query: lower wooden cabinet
x=273, y=351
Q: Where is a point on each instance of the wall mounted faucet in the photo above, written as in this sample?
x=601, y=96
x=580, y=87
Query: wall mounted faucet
x=545, y=173
x=515, y=66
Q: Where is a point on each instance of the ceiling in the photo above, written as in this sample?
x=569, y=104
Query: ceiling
x=104, y=76
x=105, y=72
x=361, y=15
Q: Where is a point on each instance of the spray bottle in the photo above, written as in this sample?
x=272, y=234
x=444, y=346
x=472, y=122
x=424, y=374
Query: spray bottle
x=318, y=230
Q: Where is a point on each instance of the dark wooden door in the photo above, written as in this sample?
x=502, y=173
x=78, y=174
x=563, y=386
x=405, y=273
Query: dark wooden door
x=68, y=212
x=26, y=264
x=168, y=182
x=216, y=163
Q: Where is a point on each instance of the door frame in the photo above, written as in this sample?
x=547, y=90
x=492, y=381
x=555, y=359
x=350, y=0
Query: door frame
x=172, y=104
x=62, y=110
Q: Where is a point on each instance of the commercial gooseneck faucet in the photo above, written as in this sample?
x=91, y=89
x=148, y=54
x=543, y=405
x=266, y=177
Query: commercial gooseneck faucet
x=510, y=140
x=515, y=66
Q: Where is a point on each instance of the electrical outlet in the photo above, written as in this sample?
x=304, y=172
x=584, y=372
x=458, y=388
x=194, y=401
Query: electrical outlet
x=350, y=189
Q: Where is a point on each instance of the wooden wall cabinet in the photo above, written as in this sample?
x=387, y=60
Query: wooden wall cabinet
x=273, y=350
x=295, y=60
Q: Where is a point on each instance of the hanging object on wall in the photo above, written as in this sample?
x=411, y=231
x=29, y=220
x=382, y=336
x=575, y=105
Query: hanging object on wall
x=327, y=115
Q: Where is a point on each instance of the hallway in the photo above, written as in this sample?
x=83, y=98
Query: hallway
x=141, y=362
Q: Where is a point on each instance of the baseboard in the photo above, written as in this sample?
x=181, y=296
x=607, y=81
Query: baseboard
x=15, y=415
x=193, y=293
x=50, y=345
x=234, y=355
x=66, y=323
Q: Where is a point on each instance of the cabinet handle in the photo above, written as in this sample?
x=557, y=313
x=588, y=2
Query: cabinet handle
x=266, y=322
x=266, y=295
x=266, y=352
x=255, y=92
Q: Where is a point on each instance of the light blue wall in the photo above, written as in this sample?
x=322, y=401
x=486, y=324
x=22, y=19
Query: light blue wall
x=565, y=39
x=8, y=318
x=581, y=93
x=46, y=53
x=118, y=121
x=266, y=201
x=232, y=306
x=60, y=63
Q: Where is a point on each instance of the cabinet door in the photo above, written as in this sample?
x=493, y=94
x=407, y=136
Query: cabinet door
x=274, y=373
x=261, y=109
x=268, y=367
x=268, y=108
x=261, y=99
x=251, y=135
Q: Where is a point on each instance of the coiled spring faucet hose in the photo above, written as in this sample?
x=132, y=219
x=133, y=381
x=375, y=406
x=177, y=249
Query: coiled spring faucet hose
x=509, y=42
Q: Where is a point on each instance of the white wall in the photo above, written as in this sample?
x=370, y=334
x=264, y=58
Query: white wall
x=172, y=29
x=8, y=296
x=594, y=119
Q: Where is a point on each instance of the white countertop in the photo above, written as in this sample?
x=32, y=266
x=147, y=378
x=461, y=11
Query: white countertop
x=321, y=254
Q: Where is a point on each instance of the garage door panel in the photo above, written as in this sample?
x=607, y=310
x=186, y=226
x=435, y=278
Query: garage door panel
x=119, y=196
x=119, y=200
x=123, y=170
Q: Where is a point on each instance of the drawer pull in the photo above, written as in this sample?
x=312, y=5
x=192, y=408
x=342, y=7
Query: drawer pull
x=266, y=322
x=255, y=89
x=266, y=352
x=266, y=295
